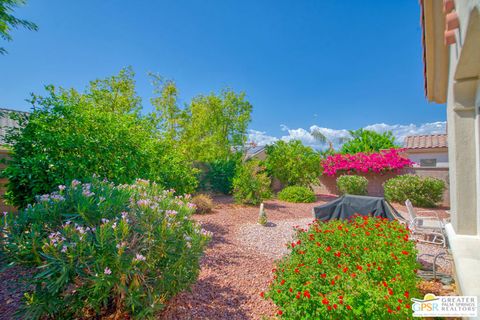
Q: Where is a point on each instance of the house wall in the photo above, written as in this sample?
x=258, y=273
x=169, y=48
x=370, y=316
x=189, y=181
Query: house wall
x=417, y=155
x=463, y=104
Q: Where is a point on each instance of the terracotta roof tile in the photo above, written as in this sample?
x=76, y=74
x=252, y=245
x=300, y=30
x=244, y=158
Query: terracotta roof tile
x=426, y=141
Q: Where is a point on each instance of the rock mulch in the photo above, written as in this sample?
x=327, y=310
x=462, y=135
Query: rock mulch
x=236, y=266
x=12, y=286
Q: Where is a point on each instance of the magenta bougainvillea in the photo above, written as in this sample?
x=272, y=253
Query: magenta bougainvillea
x=380, y=162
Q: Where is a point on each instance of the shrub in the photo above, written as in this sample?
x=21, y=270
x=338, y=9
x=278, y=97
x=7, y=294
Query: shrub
x=360, y=269
x=220, y=175
x=422, y=191
x=383, y=161
x=101, y=131
x=293, y=163
x=297, y=194
x=352, y=185
x=203, y=203
x=104, y=249
x=368, y=141
x=251, y=185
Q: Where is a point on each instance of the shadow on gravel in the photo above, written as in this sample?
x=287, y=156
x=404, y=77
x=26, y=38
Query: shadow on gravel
x=207, y=300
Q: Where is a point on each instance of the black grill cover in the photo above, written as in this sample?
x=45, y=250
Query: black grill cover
x=348, y=205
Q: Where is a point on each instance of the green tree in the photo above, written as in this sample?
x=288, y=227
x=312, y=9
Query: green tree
x=368, y=141
x=168, y=115
x=215, y=125
x=8, y=21
x=293, y=163
x=73, y=135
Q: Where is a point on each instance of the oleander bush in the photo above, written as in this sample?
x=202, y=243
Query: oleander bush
x=349, y=184
x=364, y=268
x=104, y=250
x=251, y=185
x=297, y=194
x=422, y=191
x=203, y=203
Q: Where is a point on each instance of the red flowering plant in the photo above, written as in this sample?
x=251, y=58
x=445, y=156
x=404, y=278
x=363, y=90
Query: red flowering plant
x=379, y=162
x=362, y=268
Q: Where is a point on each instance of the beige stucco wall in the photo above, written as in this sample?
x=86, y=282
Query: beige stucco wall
x=462, y=118
x=417, y=155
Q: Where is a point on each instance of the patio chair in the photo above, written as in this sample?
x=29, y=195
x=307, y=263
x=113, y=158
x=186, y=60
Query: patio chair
x=431, y=229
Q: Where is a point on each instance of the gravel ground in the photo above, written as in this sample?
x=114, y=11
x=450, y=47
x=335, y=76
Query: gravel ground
x=236, y=266
x=271, y=239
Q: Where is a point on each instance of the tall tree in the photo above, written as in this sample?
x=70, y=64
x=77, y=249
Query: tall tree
x=8, y=21
x=168, y=115
x=215, y=125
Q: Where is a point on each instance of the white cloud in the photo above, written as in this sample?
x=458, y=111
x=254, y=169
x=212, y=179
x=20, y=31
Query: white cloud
x=337, y=136
x=260, y=138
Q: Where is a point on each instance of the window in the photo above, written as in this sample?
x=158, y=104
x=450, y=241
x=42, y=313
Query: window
x=428, y=162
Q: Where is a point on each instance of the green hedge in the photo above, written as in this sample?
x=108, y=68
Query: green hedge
x=297, y=194
x=422, y=191
x=73, y=135
x=352, y=184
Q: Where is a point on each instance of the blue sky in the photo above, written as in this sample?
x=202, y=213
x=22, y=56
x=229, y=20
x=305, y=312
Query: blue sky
x=331, y=64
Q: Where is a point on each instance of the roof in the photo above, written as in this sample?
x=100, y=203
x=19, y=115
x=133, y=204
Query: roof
x=426, y=141
x=6, y=123
x=435, y=52
x=252, y=152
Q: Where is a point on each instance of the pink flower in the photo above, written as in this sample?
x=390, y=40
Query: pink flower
x=140, y=257
x=107, y=271
x=362, y=163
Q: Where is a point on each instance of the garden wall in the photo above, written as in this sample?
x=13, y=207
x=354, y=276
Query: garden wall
x=328, y=184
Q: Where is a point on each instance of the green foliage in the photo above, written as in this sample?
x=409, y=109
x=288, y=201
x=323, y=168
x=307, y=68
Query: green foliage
x=168, y=115
x=8, y=21
x=293, y=163
x=297, y=194
x=203, y=203
x=352, y=184
x=251, y=185
x=214, y=125
x=364, y=268
x=421, y=191
x=368, y=141
x=101, y=131
x=104, y=249
x=221, y=173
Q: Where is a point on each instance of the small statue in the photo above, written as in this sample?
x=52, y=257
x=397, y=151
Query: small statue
x=262, y=217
